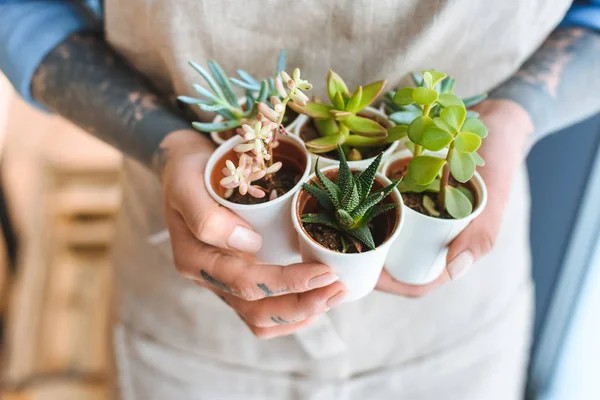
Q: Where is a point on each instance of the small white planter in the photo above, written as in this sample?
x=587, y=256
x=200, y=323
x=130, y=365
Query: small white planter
x=419, y=254
x=369, y=112
x=359, y=272
x=269, y=219
x=241, y=101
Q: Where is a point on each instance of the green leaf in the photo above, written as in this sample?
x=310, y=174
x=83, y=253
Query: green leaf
x=462, y=166
x=323, y=219
x=428, y=79
x=467, y=193
x=248, y=78
x=472, y=114
x=317, y=110
x=327, y=127
x=191, y=100
x=405, y=117
x=344, y=219
x=478, y=160
x=281, y=62
x=440, y=123
x=350, y=199
x=408, y=185
x=245, y=85
x=363, y=141
x=424, y=96
x=430, y=206
x=396, y=133
x=331, y=188
x=365, y=126
x=447, y=85
x=386, y=190
x=363, y=234
x=449, y=99
x=369, y=202
x=369, y=93
x=434, y=77
x=366, y=178
x=467, y=142
x=211, y=82
x=223, y=81
x=320, y=195
x=338, y=102
x=476, y=126
x=345, y=179
x=354, y=102
x=435, y=139
x=263, y=93
x=211, y=107
x=418, y=127
x=457, y=204
x=335, y=84
x=340, y=115
x=206, y=93
x=404, y=96
x=471, y=101
x=424, y=169
x=454, y=116
x=325, y=143
x=376, y=210
x=410, y=146
x=416, y=78
x=216, y=127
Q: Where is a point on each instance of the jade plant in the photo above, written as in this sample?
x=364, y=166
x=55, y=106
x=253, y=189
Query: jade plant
x=403, y=115
x=339, y=123
x=452, y=130
x=348, y=205
x=255, y=154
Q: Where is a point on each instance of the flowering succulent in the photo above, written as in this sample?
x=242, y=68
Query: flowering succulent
x=253, y=85
x=452, y=130
x=260, y=138
x=404, y=114
x=349, y=205
x=338, y=123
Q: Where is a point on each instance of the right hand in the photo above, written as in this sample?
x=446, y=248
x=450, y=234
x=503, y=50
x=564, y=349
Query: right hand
x=213, y=247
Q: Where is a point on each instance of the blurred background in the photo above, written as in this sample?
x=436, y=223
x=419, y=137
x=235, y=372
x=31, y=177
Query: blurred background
x=59, y=196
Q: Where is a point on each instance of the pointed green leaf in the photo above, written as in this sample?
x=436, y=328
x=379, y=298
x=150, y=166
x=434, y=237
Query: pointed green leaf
x=435, y=139
x=344, y=219
x=327, y=127
x=418, y=127
x=363, y=141
x=386, y=190
x=404, y=96
x=396, y=133
x=424, y=96
x=367, y=177
x=408, y=185
x=462, y=166
x=467, y=142
x=323, y=219
x=417, y=78
x=472, y=114
x=354, y=103
x=351, y=199
x=405, y=117
x=325, y=143
x=369, y=202
x=211, y=107
x=476, y=126
x=478, y=160
x=449, y=99
x=424, y=169
x=191, y=100
x=206, y=93
x=471, y=101
x=333, y=191
x=320, y=195
x=281, y=62
x=216, y=127
x=370, y=93
x=376, y=210
x=365, y=126
x=211, y=82
x=245, y=85
x=263, y=93
x=364, y=235
x=457, y=204
x=345, y=179
x=447, y=85
x=223, y=82
x=467, y=193
x=335, y=84
x=340, y=115
x=454, y=116
x=248, y=78
x=316, y=110
x=338, y=102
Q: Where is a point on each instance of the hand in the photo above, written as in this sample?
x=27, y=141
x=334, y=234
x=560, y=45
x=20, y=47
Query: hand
x=213, y=247
x=503, y=150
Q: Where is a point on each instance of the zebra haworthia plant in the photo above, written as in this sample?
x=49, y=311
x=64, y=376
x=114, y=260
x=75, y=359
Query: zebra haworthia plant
x=448, y=128
x=348, y=205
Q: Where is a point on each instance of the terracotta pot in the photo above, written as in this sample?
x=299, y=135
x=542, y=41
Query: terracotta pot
x=358, y=271
x=419, y=255
x=218, y=138
x=324, y=161
x=269, y=219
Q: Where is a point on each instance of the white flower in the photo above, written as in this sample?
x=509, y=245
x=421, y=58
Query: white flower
x=242, y=176
x=296, y=85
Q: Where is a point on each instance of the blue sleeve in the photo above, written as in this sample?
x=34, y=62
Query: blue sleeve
x=585, y=14
x=31, y=29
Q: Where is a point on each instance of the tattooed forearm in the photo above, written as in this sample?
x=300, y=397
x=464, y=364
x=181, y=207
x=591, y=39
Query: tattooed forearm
x=84, y=80
x=560, y=84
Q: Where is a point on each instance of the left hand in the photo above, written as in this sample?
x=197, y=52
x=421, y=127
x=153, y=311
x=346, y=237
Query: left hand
x=503, y=151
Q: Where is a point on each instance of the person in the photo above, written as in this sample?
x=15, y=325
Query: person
x=185, y=303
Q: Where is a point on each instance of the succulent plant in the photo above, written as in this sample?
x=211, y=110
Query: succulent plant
x=452, y=130
x=253, y=85
x=221, y=99
x=403, y=115
x=338, y=123
x=348, y=205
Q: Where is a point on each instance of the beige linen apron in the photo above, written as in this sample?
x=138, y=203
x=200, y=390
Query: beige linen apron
x=467, y=340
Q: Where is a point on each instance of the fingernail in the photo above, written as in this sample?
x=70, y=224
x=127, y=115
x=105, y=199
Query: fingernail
x=244, y=239
x=336, y=299
x=460, y=264
x=322, y=280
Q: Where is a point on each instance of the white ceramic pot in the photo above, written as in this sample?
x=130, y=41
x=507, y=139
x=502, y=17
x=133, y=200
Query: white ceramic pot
x=241, y=101
x=269, y=219
x=419, y=254
x=359, y=165
x=359, y=272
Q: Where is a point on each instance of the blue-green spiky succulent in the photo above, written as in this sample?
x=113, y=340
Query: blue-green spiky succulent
x=253, y=85
x=348, y=205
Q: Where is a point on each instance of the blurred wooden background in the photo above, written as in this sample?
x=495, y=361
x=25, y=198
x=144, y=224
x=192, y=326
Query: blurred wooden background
x=62, y=187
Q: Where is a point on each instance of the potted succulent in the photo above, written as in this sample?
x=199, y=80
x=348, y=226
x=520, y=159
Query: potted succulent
x=347, y=220
x=362, y=131
x=232, y=110
x=441, y=189
x=256, y=173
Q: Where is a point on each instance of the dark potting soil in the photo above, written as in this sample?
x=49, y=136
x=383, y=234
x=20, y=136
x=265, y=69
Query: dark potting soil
x=282, y=182
x=228, y=134
x=329, y=238
x=309, y=132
